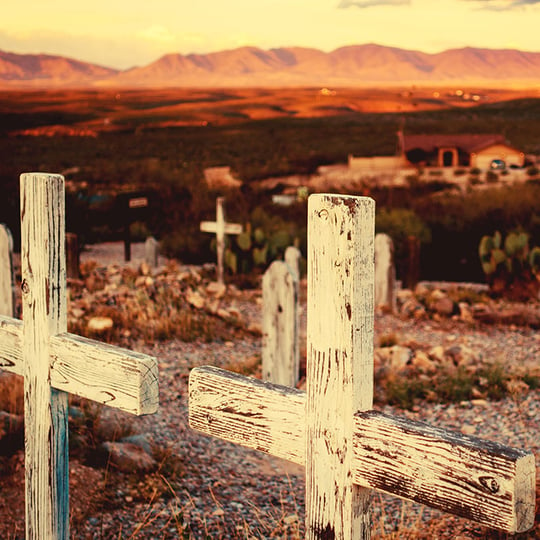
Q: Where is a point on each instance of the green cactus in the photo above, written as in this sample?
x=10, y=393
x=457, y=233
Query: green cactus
x=231, y=261
x=260, y=255
x=244, y=241
x=534, y=259
x=509, y=265
x=258, y=236
x=516, y=244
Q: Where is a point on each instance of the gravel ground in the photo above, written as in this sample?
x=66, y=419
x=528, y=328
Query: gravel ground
x=226, y=491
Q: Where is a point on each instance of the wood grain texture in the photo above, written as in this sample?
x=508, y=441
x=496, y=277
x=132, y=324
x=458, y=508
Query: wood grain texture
x=466, y=476
x=339, y=360
x=268, y=420
x=44, y=314
x=484, y=481
x=280, y=357
x=119, y=378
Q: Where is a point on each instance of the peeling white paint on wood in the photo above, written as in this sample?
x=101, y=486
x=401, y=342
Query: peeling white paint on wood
x=280, y=351
x=103, y=373
x=221, y=228
x=339, y=370
x=53, y=361
x=331, y=429
x=480, y=480
x=7, y=296
x=44, y=314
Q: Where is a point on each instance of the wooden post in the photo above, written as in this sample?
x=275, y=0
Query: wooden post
x=72, y=256
x=7, y=291
x=280, y=359
x=221, y=228
x=151, y=252
x=413, y=262
x=331, y=429
x=339, y=369
x=54, y=362
x=127, y=242
x=385, y=273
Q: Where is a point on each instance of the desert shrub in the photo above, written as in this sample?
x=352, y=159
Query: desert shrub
x=400, y=224
x=457, y=221
x=492, y=177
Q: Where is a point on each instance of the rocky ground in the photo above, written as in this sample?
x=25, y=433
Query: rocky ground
x=154, y=477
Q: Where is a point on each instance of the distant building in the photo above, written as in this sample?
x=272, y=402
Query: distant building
x=458, y=150
x=220, y=177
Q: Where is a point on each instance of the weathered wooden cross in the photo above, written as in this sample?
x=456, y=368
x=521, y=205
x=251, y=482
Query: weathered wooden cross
x=331, y=429
x=54, y=362
x=220, y=227
x=280, y=340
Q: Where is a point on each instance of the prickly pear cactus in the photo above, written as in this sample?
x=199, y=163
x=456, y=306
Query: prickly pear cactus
x=510, y=267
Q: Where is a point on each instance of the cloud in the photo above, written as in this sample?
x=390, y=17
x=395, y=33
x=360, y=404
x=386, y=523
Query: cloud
x=157, y=33
x=371, y=3
x=502, y=5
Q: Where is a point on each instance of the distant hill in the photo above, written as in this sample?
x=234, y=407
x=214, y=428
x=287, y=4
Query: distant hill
x=356, y=65
x=44, y=69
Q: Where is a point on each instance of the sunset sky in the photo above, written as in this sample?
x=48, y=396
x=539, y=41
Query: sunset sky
x=125, y=33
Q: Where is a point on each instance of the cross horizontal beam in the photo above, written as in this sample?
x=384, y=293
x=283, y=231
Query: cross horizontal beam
x=479, y=480
x=97, y=371
x=228, y=228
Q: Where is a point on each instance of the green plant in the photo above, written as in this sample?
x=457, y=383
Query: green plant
x=400, y=224
x=509, y=265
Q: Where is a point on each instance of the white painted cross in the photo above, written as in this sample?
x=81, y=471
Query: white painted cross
x=221, y=228
x=54, y=362
x=346, y=447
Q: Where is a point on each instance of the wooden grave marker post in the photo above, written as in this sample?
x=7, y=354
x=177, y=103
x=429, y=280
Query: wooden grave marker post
x=280, y=350
x=220, y=227
x=385, y=273
x=7, y=291
x=348, y=448
x=55, y=363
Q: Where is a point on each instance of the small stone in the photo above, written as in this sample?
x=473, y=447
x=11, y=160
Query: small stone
x=465, y=313
x=396, y=357
x=423, y=362
x=100, y=325
x=195, y=299
x=468, y=430
x=128, y=457
x=216, y=289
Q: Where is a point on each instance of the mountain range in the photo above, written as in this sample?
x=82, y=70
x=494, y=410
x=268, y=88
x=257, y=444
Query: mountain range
x=355, y=65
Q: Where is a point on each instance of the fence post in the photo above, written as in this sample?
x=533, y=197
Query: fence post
x=339, y=361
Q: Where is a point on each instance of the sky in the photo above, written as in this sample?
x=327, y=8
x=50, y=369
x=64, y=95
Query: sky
x=127, y=33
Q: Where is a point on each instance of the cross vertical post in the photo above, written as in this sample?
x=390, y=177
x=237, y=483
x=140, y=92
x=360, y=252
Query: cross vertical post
x=54, y=362
x=339, y=361
x=44, y=314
